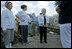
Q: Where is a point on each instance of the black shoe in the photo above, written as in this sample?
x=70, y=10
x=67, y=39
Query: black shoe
x=41, y=42
x=45, y=41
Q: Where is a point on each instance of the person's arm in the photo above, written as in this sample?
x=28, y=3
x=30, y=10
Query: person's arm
x=47, y=20
x=16, y=20
x=40, y=20
x=3, y=21
x=20, y=18
x=15, y=25
x=34, y=16
x=29, y=20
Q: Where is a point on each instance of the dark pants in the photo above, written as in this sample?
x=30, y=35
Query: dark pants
x=24, y=33
x=43, y=33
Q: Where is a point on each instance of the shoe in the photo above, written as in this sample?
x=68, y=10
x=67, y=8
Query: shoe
x=45, y=41
x=41, y=42
x=10, y=45
x=24, y=44
x=7, y=46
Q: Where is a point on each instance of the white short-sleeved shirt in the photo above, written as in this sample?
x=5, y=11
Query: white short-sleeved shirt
x=24, y=16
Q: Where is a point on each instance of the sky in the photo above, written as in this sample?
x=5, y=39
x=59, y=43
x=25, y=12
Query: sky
x=33, y=7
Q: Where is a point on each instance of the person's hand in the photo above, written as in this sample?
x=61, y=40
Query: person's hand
x=15, y=29
x=47, y=24
x=44, y=25
x=5, y=31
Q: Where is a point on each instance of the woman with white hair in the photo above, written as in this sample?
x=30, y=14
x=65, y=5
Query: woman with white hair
x=43, y=21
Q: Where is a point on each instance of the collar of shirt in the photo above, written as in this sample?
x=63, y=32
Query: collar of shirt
x=8, y=9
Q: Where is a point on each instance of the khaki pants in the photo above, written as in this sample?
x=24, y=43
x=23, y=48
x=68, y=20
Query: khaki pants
x=33, y=27
x=9, y=37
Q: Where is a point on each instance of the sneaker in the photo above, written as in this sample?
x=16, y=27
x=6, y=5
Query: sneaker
x=10, y=45
x=7, y=46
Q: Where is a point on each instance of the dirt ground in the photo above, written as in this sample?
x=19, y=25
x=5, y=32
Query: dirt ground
x=53, y=41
